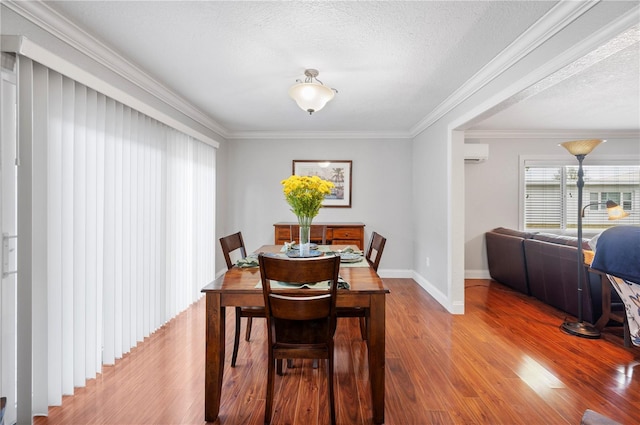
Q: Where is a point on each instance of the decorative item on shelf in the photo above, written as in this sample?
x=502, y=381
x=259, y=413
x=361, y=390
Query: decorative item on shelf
x=305, y=195
x=309, y=95
x=580, y=148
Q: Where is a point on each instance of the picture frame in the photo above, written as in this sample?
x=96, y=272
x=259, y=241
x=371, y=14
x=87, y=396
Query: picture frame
x=336, y=171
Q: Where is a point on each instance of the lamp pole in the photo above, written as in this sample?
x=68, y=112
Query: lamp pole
x=580, y=185
x=580, y=149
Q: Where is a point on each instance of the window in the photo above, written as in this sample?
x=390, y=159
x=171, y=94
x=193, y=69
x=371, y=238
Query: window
x=551, y=195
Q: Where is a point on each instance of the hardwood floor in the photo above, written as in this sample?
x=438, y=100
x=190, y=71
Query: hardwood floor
x=504, y=362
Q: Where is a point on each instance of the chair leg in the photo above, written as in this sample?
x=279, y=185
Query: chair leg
x=270, y=379
x=627, y=332
x=279, y=366
x=332, y=406
x=247, y=336
x=236, y=339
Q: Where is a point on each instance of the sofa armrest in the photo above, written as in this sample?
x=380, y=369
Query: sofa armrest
x=505, y=255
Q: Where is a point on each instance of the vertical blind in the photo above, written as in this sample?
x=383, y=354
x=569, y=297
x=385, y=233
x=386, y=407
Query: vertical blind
x=130, y=228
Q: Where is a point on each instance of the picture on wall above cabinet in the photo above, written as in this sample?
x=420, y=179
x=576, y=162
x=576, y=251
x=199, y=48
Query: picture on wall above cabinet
x=337, y=172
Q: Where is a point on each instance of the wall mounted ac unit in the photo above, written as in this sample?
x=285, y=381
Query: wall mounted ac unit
x=476, y=152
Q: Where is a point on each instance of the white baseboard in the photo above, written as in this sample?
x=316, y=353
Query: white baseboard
x=477, y=274
x=396, y=273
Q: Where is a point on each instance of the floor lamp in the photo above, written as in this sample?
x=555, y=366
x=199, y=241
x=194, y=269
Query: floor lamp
x=580, y=148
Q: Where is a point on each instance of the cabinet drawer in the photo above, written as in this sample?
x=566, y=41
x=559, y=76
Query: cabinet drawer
x=352, y=242
x=347, y=233
x=329, y=234
x=283, y=233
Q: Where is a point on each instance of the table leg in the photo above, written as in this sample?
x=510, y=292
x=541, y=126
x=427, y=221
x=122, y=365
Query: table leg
x=214, y=357
x=606, y=302
x=376, y=340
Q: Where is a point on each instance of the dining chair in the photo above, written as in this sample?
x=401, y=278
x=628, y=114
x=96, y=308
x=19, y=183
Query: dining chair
x=3, y=406
x=374, y=251
x=373, y=256
x=231, y=244
x=301, y=323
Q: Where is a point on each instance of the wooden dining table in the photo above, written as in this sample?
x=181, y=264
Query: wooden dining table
x=238, y=287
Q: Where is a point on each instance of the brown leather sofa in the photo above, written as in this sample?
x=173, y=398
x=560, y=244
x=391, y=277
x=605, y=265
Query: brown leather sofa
x=544, y=266
x=505, y=254
x=552, y=268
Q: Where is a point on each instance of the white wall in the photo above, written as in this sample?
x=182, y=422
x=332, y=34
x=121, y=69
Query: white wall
x=381, y=191
x=432, y=218
x=492, y=188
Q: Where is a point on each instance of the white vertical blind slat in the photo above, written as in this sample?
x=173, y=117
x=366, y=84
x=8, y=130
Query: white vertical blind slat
x=54, y=247
x=119, y=241
x=127, y=243
x=80, y=237
x=66, y=191
x=109, y=265
x=100, y=163
x=92, y=224
x=39, y=240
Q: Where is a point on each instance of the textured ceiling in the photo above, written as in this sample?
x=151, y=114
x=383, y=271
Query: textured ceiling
x=600, y=91
x=393, y=63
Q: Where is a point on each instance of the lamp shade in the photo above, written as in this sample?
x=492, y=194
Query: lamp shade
x=581, y=147
x=311, y=97
x=615, y=211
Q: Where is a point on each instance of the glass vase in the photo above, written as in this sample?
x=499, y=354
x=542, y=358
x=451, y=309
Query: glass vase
x=305, y=233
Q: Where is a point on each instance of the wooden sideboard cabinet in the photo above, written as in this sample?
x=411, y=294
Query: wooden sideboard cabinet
x=336, y=234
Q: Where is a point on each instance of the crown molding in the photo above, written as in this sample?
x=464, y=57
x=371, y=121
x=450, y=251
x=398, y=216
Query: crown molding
x=552, y=134
x=325, y=135
x=54, y=23
x=550, y=24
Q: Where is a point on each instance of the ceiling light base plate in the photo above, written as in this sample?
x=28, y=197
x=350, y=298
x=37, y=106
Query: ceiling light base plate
x=311, y=73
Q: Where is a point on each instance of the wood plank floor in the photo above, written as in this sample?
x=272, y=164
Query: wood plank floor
x=504, y=362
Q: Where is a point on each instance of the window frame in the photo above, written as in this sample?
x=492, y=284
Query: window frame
x=562, y=161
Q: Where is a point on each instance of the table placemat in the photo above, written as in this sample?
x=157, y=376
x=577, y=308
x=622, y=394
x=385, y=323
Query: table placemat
x=342, y=284
x=326, y=249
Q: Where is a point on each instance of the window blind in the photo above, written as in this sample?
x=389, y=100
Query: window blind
x=543, y=197
x=130, y=234
x=551, y=195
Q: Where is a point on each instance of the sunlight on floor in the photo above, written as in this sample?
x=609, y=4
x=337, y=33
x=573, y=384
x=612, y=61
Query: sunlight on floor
x=537, y=377
x=626, y=375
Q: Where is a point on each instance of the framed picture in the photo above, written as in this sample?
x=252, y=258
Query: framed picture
x=337, y=172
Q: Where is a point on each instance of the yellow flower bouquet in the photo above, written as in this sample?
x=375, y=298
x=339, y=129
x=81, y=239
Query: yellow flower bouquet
x=305, y=194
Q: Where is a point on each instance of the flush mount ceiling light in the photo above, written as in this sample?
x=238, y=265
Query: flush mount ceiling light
x=311, y=96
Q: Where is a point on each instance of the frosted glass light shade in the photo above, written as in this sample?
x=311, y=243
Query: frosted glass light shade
x=311, y=97
x=615, y=211
x=581, y=147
